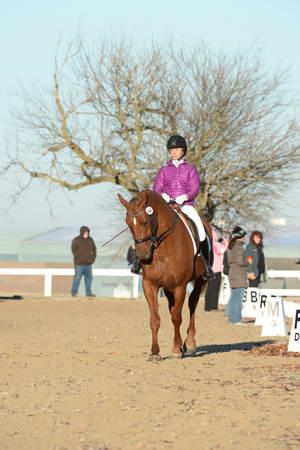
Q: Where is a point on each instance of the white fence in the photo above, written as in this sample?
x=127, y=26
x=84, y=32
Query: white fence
x=284, y=274
x=225, y=289
x=48, y=273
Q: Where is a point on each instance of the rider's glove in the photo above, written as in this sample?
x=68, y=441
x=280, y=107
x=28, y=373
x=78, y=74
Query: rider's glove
x=166, y=197
x=181, y=199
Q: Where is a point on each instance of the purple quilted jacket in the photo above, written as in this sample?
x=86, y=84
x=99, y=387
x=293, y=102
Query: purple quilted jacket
x=175, y=181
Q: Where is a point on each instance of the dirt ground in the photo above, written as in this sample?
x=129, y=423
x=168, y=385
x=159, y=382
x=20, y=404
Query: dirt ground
x=75, y=375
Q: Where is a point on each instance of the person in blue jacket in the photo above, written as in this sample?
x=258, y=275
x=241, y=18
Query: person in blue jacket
x=255, y=258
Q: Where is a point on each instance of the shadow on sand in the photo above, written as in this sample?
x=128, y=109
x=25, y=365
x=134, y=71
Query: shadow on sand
x=12, y=297
x=220, y=348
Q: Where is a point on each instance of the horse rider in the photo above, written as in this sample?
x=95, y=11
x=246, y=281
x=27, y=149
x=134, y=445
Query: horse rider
x=179, y=180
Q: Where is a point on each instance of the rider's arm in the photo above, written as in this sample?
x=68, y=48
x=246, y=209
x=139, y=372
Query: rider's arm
x=194, y=184
x=158, y=185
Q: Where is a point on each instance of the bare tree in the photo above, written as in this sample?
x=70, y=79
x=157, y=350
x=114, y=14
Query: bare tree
x=111, y=109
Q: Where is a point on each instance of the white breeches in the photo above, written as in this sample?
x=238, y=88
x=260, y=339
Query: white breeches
x=191, y=212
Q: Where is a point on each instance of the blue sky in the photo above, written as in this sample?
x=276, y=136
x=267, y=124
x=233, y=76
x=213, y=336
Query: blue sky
x=30, y=32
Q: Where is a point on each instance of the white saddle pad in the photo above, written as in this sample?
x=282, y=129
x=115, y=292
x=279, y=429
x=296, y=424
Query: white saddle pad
x=188, y=228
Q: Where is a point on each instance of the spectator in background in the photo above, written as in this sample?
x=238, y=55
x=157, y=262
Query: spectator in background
x=84, y=253
x=237, y=274
x=256, y=258
x=213, y=286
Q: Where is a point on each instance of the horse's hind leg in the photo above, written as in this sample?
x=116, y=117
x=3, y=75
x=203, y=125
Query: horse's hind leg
x=190, y=343
x=151, y=292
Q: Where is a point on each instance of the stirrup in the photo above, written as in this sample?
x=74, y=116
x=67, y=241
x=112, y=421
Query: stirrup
x=208, y=273
x=198, y=252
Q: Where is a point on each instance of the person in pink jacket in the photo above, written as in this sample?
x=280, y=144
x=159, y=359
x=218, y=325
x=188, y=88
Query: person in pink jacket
x=214, y=284
x=179, y=180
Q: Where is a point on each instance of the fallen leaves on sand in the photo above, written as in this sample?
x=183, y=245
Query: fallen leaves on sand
x=274, y=350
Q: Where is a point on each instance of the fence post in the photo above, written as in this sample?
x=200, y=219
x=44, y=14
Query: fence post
x=135, y=286
x=48, y=285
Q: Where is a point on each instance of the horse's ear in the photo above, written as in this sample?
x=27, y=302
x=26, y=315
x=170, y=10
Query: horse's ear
x=143, y=198
x=123, y=201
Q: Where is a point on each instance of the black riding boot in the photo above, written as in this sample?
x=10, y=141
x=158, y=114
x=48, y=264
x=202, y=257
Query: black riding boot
x=208, y=272
x=136, y=266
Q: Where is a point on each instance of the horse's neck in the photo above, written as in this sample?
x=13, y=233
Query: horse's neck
x=166, y=218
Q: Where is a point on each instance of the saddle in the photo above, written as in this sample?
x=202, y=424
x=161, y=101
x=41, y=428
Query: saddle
x=203, y=248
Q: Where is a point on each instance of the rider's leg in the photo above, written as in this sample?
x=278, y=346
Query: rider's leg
x=191, y=212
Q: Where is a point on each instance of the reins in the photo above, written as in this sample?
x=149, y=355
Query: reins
x=158, y=239
x=154, y=239
x=103, y=245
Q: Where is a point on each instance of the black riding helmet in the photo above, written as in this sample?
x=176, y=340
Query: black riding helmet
x=177, y=141
x=238, y=232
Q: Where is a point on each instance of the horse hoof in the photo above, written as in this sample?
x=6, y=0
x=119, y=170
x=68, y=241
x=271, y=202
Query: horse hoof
x=175, y=356
x=190, y=350
x=154, y=358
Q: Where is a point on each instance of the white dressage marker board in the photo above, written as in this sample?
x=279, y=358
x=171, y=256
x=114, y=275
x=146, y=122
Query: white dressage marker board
x=224, y=292
x=273, y=318
x=294, y=341
x=264, y=296
x=250, y=302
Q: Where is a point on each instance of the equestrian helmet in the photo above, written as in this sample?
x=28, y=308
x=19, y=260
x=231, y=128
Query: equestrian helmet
x=177, y=141
x=238, y=232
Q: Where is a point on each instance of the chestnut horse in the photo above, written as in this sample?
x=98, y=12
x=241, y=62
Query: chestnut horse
x=165, y=249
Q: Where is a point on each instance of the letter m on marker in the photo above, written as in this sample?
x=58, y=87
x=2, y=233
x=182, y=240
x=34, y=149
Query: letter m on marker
x=273, y=309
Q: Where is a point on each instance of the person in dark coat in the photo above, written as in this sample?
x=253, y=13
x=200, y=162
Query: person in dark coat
x=84, y=253
x=237, y=274
x=256, y=258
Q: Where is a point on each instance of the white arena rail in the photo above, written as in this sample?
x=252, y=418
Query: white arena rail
x=284, y=274
x=48, y=273
x=225, y=289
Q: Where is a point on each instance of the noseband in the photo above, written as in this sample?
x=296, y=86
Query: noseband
x=154, y=239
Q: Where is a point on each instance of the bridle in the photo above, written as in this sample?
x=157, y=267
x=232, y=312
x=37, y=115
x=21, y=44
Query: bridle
x=154, y=239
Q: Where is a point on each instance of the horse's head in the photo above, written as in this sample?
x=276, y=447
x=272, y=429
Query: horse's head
x=142, y=221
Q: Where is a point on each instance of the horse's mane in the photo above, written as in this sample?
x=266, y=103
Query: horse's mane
x=152, y=196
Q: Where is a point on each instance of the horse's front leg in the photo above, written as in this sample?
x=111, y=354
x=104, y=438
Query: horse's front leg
x=151, y=292
x=176, y=315
x=190, y=343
